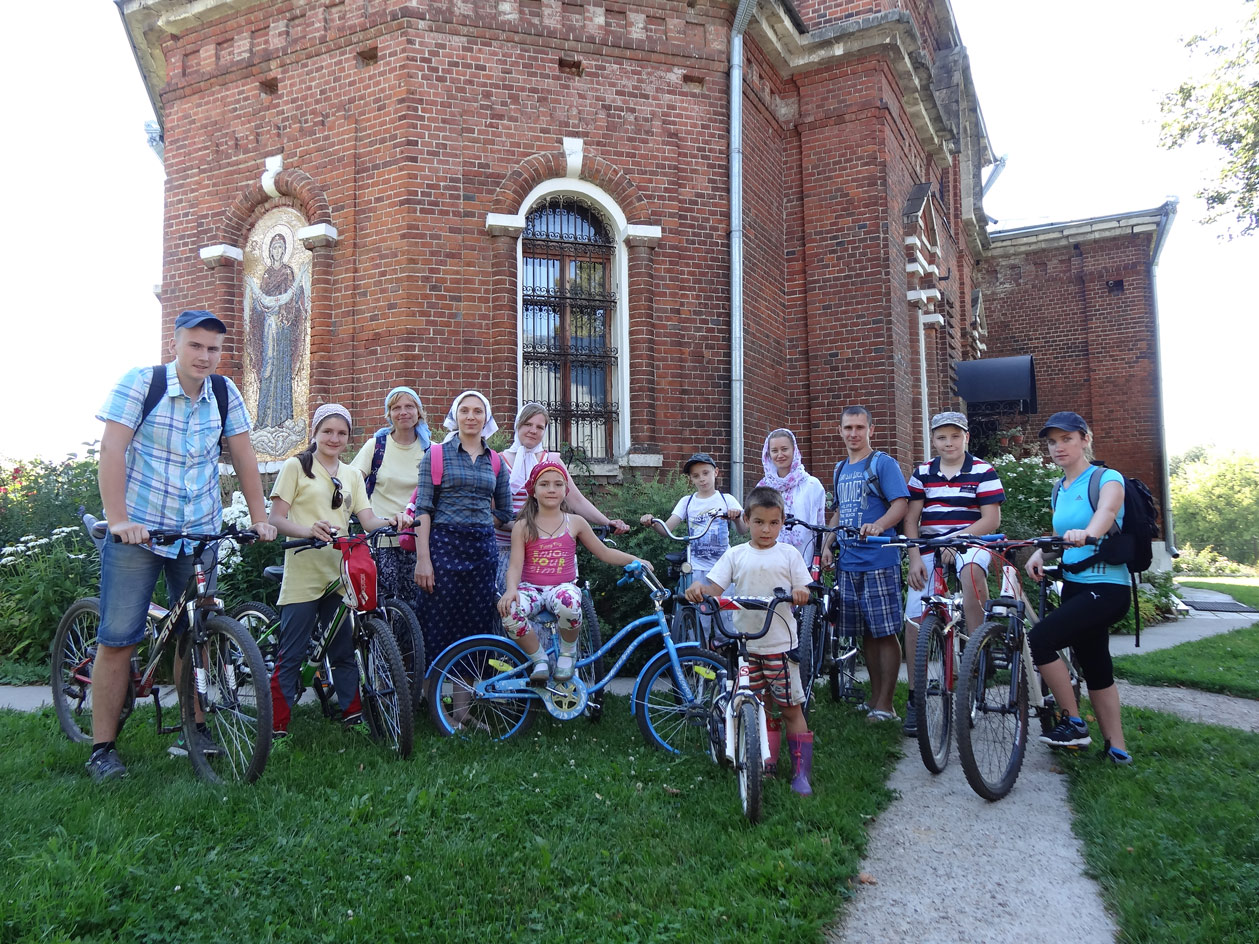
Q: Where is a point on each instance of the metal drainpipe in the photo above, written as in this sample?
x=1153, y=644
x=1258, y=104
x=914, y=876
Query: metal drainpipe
x=742, y=16
x=1169, y=214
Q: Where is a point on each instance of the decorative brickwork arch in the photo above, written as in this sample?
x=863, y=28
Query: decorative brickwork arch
x=304, y=193
x=605, y=187
x=534, y=170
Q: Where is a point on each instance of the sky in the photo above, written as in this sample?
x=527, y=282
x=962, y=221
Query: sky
x=1069, y=91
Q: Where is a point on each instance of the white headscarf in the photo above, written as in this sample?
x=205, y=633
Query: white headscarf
x=525, y=458
x=452, y=424
x=796, y=475
x=325, y=411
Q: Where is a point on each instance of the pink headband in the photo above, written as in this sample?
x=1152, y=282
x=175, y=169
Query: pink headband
x=546, y=465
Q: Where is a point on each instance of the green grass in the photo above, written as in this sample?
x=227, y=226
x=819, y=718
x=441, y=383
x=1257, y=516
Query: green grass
x=1174, y=840
x=1242, y=589
x=574, y=832
x=1228, y=664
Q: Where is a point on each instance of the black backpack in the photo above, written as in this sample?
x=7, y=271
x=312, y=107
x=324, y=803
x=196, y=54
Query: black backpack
x=1133, y=544
x=157, y=390
x=873, y=487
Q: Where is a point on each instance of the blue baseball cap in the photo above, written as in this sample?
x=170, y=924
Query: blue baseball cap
x=700, y=458
x=197, y=318
x=1066, y=421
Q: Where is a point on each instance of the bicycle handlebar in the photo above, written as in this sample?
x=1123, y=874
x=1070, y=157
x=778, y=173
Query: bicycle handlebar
x=935, y=543
x=98, y=530
x=711, y=606
x=371, y=537
x=820, y=529
x=687, y=538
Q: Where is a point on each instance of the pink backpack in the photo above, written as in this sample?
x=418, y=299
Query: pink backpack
x=436, y=459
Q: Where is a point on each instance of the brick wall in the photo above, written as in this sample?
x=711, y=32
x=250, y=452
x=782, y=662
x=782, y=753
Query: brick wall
x=1094, y=344
x=409, y=123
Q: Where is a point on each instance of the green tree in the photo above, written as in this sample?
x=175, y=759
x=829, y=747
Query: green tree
x=1223, y=108
x=1215, y=502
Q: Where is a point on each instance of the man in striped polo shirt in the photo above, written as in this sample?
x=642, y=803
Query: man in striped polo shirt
x=952, y=493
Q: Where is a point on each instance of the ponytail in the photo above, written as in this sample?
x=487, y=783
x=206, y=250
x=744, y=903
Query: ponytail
x=306, y=459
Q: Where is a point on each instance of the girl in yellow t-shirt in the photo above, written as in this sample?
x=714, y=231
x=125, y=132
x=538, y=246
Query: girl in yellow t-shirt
x=313, y=497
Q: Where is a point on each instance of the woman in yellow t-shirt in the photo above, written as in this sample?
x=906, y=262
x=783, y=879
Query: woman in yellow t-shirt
x=390, y=462
x=313, y=497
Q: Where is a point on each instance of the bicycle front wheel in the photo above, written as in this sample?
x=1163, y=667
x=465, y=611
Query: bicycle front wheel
x=225, y=680
x=453, y=702
x=748, y=761
x=684, y=626
x=933, y=706
x=384, y=687
x=843, y=678
x=668, y=717
x=406, y=633
x=991, y=711
x=72, y=653
x=809, y=650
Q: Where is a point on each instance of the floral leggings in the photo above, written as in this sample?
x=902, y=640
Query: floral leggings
x=563, y=599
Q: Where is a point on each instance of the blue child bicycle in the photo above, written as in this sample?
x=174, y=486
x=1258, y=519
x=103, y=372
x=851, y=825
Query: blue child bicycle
x=480, y=687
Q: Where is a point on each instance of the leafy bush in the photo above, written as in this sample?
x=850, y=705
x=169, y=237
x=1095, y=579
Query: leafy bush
x=633, y=498
x=1207, y=563
x=39, y=578
x=240, y=567
x=38, y=496
x=1157, y=595
x=1028, y=484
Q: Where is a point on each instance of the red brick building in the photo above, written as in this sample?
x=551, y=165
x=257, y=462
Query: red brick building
x=1080, y=298
x=533, y=198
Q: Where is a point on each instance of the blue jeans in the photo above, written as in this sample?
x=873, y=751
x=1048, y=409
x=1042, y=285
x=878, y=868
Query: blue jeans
x=129, y=574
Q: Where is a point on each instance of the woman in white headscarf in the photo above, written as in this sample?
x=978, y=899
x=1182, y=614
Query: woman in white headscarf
x=390, y=462
x=456, y=557
x=525, y=452
x=803, y=494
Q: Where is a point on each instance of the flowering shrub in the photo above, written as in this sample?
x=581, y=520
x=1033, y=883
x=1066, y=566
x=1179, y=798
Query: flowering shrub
x=240, y=568
x=38, y=496
x=1028, y=484
x=39, y=578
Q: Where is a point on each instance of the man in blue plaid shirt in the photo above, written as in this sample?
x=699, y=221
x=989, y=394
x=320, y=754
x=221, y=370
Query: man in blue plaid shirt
x=161, y=471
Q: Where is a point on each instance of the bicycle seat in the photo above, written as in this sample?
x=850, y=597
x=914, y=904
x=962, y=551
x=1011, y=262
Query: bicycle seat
x=274, y=573
x=675, y=557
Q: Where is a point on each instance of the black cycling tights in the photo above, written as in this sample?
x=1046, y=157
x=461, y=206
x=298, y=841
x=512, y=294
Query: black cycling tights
x=1083, y=622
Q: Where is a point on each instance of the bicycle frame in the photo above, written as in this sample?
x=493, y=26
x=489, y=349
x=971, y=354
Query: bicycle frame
x=568, y=702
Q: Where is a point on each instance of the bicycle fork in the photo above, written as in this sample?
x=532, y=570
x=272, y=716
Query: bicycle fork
x=743, y=694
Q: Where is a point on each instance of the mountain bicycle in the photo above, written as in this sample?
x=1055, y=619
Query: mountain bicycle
x=480, y=687
x=263, y=622
x=383, y=682
x=820, y=651
x=222, y=674
x=995, y=694
x=684, y=624
x=737, y=722
x=941, y=636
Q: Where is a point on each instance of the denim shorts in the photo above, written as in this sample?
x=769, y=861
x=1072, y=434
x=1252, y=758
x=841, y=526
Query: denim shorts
x=869, y=601
x=129, y=573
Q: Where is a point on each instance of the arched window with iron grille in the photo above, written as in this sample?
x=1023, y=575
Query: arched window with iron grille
x=568, y=305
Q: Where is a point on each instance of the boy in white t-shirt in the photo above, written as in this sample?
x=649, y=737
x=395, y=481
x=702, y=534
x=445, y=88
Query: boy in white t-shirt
x=708, y=541
x=757, y=568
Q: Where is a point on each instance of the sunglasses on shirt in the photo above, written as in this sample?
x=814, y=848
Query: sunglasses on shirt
x=337, y=498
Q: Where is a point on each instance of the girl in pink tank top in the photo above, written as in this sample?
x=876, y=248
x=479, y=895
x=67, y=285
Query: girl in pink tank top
x=543, y=568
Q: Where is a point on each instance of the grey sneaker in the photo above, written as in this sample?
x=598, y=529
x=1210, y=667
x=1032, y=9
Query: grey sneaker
x=1068, y=733
x=105, y=764
x=540, y=672
x=201, y=742
x=1115, y=755
x=564, y=665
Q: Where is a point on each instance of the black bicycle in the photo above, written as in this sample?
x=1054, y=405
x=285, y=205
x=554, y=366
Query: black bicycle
x=222, y=679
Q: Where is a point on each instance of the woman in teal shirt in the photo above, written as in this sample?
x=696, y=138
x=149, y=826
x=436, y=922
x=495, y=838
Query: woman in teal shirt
x=1093, y=599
